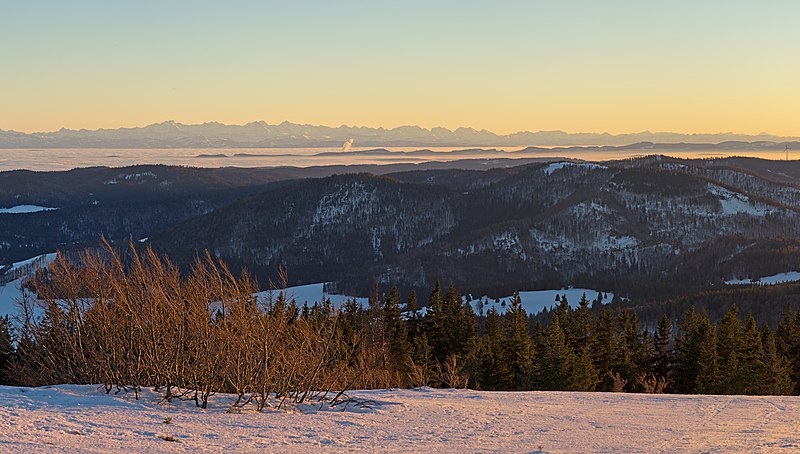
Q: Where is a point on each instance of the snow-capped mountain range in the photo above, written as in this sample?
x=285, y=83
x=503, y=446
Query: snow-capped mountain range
x=171, y=134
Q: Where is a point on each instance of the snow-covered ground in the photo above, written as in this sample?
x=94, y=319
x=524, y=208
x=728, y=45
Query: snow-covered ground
x=791, y=276
x=314, y=293
x=10, y=292
x=22, y=209
x=72, y=418
x=734, y=203
x=532, y=301
x=537, y=300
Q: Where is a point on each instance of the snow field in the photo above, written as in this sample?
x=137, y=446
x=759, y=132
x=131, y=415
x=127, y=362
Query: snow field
x=71, y=418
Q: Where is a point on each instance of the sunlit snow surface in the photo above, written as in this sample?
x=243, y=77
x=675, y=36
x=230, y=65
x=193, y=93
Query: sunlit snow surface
x=71, y=418
x=10, y=292
x=23, y=209
x=792, y=276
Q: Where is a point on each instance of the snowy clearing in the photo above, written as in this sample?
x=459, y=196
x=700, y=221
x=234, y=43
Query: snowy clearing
x=313, y=293
x=560, y=165
x=780, y=278
x=532, y=301
x=22, y=209
x=732, y=203
x=536, y=301
x=71, y=418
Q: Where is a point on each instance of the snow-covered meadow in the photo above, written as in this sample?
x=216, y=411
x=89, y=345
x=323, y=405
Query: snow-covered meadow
x=71, y=418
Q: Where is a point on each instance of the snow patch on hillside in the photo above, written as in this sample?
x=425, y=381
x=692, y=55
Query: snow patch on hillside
x=734, y=203
x=536, y=301
x=313, y=293
x=24, y=209
x=560, y=165
x=791, y=276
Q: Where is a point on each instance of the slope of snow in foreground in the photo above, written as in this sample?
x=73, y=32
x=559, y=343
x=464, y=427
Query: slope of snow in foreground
x=72, y=418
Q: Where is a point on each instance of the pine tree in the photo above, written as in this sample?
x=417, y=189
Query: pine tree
x=394, y=329
x=7, y=351
x=518, y=346
x=583, y=324
x=729, y=335
x=751, y=371
x=435, y=323
x=787, y=337
x=707, y=365
x=663, y=357
x=687, y=351
x=554, y=371
x=493, y=370
x=604, y=343
x=777, y=380
x=583, y=375
x=414, y=321
x=628, y=349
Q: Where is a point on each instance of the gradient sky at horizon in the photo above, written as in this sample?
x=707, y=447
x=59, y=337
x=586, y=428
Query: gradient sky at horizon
x=578, y=66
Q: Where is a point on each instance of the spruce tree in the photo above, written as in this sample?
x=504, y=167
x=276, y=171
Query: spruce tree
x=583, y=375
x=662, y=351
x=7, y=351
x=583, y=324
x=555, y=368
x=787, y=337
x=435, y=323
x=729, y=336
x=604, y=344
x=777, y=380
x=493, y=370
x=687, y=351
x=752, y=370
x=518, y=344
x=707, y=363
x=394, y=329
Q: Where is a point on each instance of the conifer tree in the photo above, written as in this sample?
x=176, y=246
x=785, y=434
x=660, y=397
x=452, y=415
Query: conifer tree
x=7, y=351
x=583, y=375
x=412, y=310
x=604, y=343
x=518, y=345
x=707, y=365
x=662, y=360
x=687, y=351
x=628, y=349
x=583, y=324
x=554, y=371
x=435, y=323
x=752, y=370
x=777, y=380
x=493, y=370
x=787, y=337
x=729, y=336
x=395, y=332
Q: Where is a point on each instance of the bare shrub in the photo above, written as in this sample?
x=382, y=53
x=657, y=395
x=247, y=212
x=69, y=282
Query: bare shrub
x=651, y=384
x=134, y=321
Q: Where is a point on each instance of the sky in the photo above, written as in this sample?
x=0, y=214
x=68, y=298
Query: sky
x=505, y=66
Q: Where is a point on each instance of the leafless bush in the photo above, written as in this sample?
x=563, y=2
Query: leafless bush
x=451, y=374
x=134, y=321
x=651, y=384
x=619, y=382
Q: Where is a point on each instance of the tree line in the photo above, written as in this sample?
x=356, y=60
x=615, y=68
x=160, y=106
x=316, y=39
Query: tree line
x=127, y=321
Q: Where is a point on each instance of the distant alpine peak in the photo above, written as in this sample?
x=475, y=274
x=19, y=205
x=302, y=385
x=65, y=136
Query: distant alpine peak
x=172, y=134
